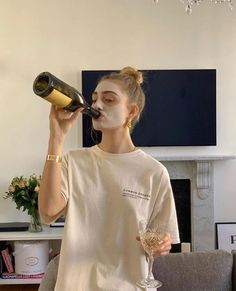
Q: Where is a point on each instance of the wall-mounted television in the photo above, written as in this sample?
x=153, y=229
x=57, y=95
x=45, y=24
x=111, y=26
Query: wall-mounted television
x=180, y=108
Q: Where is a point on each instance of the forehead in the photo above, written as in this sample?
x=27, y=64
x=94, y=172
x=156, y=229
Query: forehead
x=110, y=85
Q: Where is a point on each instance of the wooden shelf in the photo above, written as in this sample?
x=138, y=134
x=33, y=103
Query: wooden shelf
x=19, y=281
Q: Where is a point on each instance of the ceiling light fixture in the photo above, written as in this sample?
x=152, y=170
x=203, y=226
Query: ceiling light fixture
x=190, y=3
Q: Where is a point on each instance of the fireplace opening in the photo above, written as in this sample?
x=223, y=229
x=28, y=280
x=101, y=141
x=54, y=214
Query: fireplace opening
x=182, y=195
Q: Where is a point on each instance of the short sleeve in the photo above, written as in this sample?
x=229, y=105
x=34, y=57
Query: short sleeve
x=164, y=211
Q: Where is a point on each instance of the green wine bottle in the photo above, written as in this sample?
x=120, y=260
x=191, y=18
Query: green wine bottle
x=61, y=94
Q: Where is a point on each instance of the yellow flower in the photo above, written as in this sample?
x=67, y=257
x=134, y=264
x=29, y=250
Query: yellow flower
x=21, y=184
x=11, y=188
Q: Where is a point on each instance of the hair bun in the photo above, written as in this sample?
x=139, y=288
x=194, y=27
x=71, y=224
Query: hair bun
x=138, y=76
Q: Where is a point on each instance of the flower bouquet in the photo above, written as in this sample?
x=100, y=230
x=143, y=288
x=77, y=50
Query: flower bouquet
x=24, y=192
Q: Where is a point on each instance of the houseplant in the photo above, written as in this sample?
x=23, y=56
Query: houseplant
x=24, y=192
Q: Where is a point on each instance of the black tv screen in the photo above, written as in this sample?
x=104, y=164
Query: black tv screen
x=180, y=108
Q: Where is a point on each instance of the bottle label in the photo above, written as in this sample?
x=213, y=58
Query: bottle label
x=59, y=99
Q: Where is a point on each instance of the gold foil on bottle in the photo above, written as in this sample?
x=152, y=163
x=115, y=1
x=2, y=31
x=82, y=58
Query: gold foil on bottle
x=59, y=99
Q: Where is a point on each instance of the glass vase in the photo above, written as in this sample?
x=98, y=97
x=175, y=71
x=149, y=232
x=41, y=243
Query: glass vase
x=35, y=223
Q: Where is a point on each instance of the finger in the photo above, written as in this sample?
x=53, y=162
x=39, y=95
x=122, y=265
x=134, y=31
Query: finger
x=164, y=253
x=167, y=238
x=166, y=243
x=64, y=114
x=80, y=109
x=166, y=248
x=75, y=114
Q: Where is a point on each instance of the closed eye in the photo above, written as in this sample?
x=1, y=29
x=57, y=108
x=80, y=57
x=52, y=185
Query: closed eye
x=109, y=97
x=108, y=100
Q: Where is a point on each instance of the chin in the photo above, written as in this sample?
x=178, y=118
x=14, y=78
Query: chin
x=106, y=127
x=97, y=127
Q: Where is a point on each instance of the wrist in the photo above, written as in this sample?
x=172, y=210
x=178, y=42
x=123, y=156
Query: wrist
x=55, y=146
x=54, y=158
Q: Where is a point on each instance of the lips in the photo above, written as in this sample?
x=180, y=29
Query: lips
x=101, y=117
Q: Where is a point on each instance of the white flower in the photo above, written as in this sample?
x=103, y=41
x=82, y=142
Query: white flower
x=11, y=188
x=36, y=189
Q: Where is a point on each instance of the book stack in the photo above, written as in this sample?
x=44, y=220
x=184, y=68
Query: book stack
x=6, y=275
x=7, y=262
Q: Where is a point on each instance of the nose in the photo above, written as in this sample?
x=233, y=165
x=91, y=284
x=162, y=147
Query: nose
x=98, y=104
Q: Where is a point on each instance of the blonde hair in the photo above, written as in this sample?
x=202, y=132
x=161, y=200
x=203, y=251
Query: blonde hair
x=132, y=80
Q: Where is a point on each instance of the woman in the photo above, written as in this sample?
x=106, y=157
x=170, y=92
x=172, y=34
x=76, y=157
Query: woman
x=105, y=191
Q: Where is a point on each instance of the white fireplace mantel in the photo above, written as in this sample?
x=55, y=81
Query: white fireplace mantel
x=200, y=170
x=203, y=169
x=180, y=158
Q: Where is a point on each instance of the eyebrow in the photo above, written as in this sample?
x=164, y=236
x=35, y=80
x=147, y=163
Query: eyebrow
x=105, y=92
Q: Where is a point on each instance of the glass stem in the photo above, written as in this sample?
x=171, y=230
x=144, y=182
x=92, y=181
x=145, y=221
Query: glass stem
x=150, y=265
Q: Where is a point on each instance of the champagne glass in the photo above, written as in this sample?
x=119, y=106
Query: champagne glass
x=151, y=239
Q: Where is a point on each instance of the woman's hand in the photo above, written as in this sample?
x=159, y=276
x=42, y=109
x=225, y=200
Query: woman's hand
x=61, y=121
x=164, y=248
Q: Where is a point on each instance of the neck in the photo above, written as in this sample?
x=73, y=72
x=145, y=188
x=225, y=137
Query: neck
x=117, y=142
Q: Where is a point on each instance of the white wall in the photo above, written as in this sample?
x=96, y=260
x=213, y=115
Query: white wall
x=65, y=37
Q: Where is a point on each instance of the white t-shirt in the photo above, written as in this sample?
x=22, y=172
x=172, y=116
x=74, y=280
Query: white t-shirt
x=107, y=194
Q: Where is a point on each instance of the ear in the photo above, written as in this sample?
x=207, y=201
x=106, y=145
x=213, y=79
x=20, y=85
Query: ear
x=133, y=111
